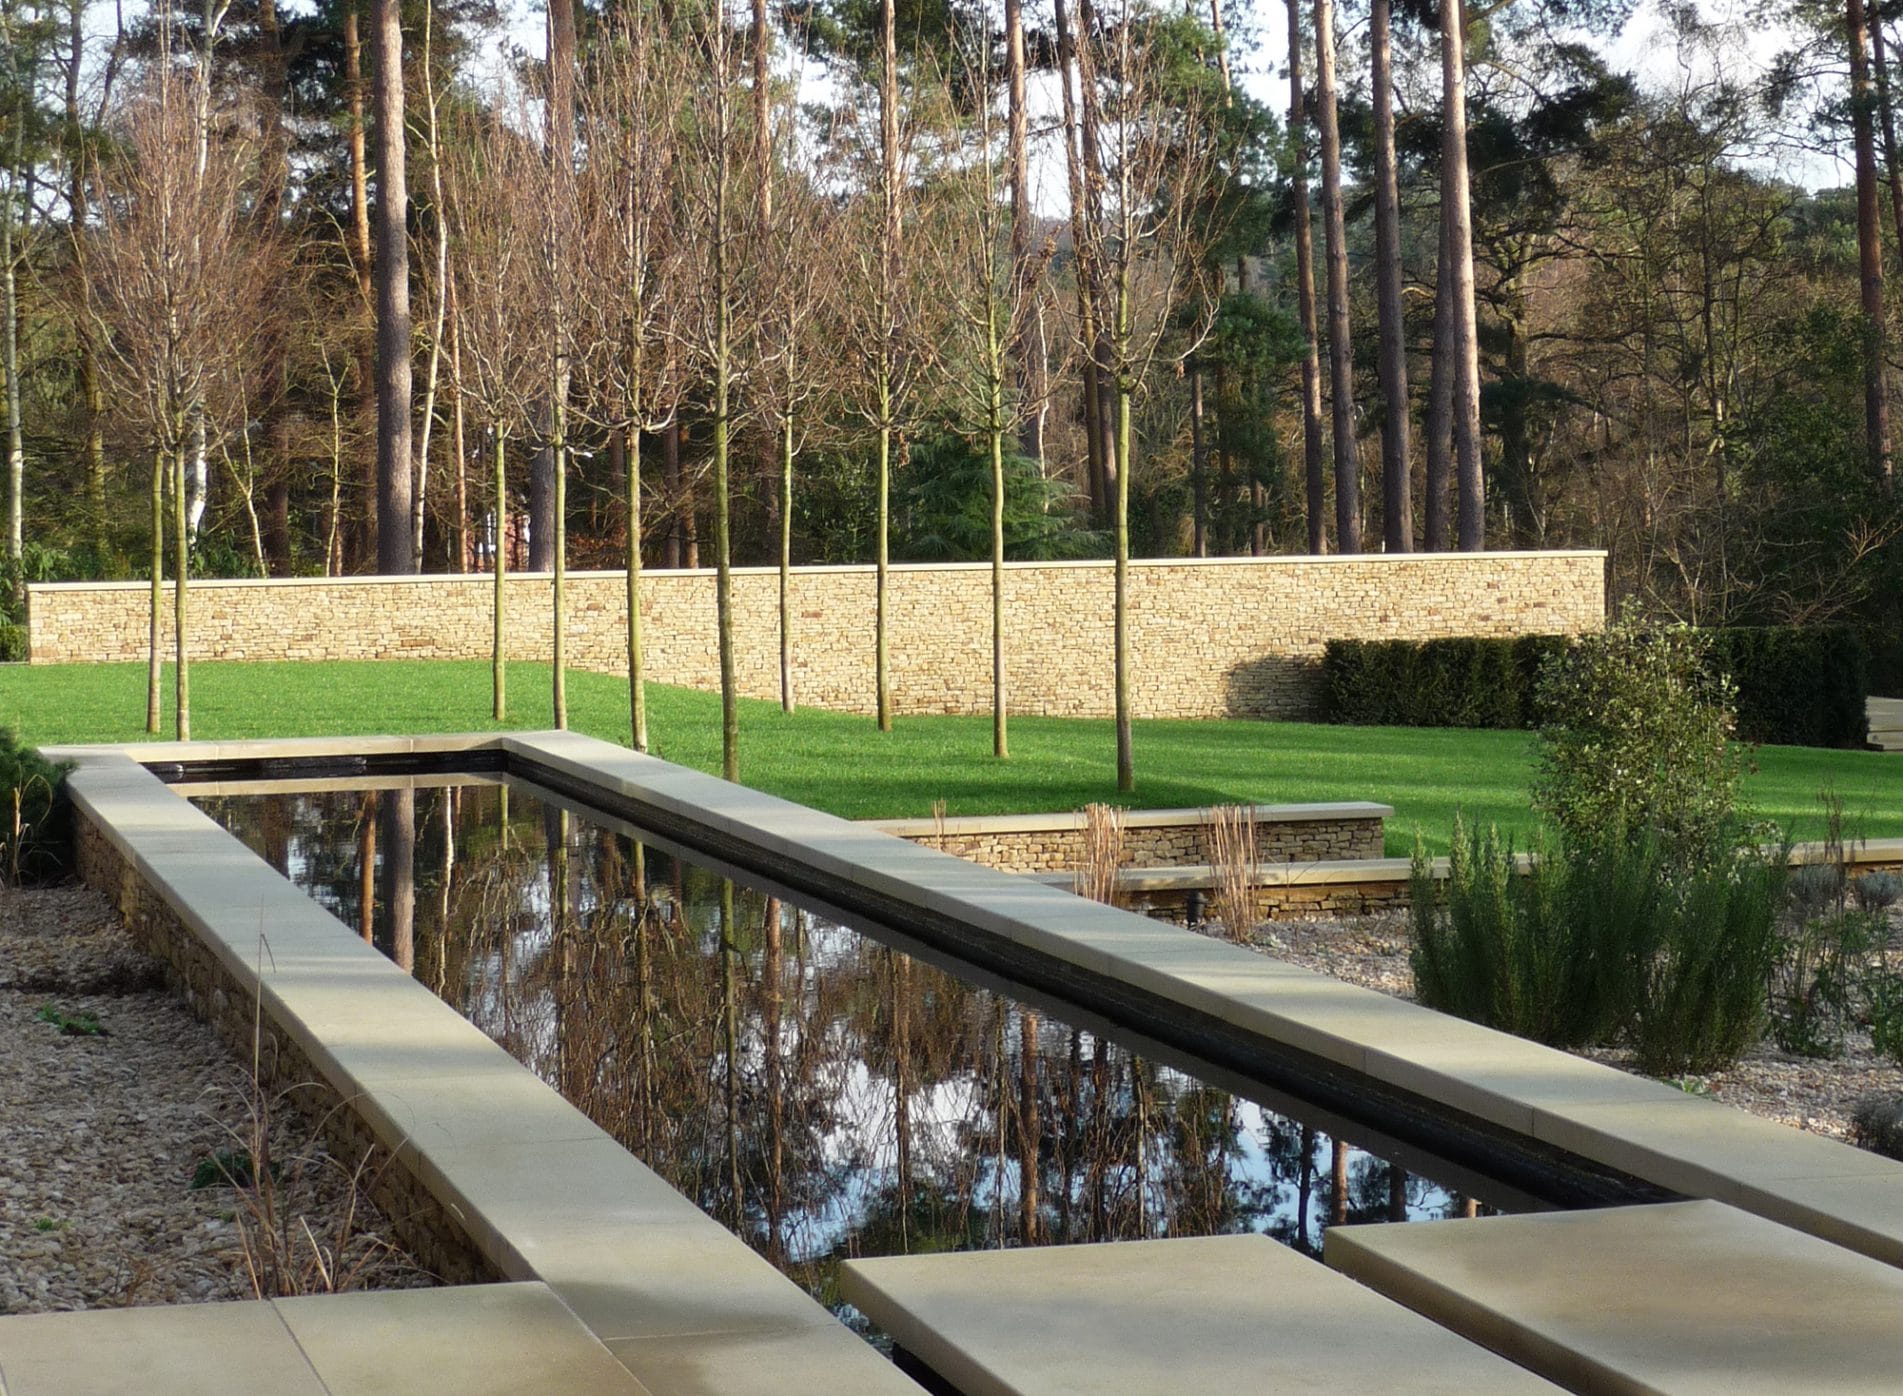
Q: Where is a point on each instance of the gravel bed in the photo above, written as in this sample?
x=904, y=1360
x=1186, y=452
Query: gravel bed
x=104, y=1134
x=1819, y=1096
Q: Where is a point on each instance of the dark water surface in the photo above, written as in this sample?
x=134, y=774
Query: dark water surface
x=821, y=1093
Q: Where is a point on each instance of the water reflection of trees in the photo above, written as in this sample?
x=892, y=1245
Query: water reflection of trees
x=822, y=1094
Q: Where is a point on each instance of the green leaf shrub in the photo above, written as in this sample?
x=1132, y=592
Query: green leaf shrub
x=1638, y=742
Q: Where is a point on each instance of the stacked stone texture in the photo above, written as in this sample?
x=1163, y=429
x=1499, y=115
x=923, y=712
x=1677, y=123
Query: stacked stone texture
x=1209, y=638
x=1163, y=845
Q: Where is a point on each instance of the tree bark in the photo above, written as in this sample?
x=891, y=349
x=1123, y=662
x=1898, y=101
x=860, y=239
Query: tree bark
x=392, y=276
x=1440, y=395
x=1341, y=366
x=1397, y=508
x=364, y=541
x=1017, y=156
x=1314, y=474
x=1876, y=407
x=1088, y=301
x=1463, y=342
x=888, y=285
x=1879, y=52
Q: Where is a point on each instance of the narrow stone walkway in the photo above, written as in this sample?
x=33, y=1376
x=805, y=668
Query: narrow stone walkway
x=477, y=1340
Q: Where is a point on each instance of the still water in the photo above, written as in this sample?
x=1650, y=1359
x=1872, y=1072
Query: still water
x=823, y=1094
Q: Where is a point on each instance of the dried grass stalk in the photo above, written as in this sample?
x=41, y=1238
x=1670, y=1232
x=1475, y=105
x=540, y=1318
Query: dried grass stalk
x=1232, y=858
x=1095, y=876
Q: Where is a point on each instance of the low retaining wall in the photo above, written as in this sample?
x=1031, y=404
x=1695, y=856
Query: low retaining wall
x=1159, y=838
x=428, y=1231
x=1362, y=886
x=1214, y=637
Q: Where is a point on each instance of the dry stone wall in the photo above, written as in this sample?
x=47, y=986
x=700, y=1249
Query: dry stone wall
x=1209, y=637
x=1060, y=848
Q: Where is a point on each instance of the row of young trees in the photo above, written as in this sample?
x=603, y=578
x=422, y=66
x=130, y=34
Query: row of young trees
x=829, y=283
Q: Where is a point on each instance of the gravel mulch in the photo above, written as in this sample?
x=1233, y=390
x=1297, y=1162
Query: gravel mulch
x=1819, y=1096
x=104, y=1133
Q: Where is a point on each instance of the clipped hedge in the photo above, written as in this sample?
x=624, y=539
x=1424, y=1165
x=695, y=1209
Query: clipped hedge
x=1470, y=681
x=1797, y=686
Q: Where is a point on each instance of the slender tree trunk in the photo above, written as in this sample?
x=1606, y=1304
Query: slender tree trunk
x=723, y=547
x=1017, y=156
x=1440, y=395
x=1314, y=474
x=457, y=442
x=1089, y=128
x=1082, y=245
x=182, y=544
x=1463, y=341
x=498, y=663
x=392, y=276
x=787, y=697
x=155, y=663
x=673, y=545
x=1879, y=52
x=365, y=541
x=1397, y=509
x=10, y=343
x=1876, y=409
x=889, y=254
x=1000, y=736
x=637, y=677
x=1198, y=469
x=1341, y=363
x=91, y=396
x=438, y=214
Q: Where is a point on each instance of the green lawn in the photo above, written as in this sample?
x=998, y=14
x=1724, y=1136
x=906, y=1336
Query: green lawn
x=841, y=763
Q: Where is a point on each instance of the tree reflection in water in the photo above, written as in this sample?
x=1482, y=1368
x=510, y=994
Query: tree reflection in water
x=823, y=1094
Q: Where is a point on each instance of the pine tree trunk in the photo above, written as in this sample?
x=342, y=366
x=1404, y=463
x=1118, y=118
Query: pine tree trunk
x=1879, y=52
x=1017, y=155
x=1397, y=508
x=1463, y=341
x=1314, y=473
x=1440, y=396
x=1876, y=408
x=364, y=536
x=392, y=277
x=1085, y=276
x=1341, y=364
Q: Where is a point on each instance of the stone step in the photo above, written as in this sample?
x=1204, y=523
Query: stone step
x=1684, y=1299
x=1161, y=1318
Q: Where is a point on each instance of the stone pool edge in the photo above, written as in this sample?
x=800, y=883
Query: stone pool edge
x=490, y=1174
x=1653, y=1131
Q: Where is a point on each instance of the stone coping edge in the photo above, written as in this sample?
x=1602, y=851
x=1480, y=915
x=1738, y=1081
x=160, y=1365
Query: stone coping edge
x=1872, y=852
x=966, y=826
x=543, y=1192
x=1650, y=1130
x=1087, y=564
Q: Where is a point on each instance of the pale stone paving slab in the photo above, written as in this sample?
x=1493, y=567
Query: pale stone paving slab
x=1159, y=1318
x=1686, y=1299
x=477, y=1340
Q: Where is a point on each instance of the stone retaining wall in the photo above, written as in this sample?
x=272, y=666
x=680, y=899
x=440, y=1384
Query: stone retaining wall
x=1151, y=838
x=1210, y=637
x=425, y=1226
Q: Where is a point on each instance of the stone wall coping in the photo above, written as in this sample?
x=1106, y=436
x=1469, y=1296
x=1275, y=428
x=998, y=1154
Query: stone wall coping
x=543, y=1192
x=1872, y=852
x=834, y=569
x=966, y=826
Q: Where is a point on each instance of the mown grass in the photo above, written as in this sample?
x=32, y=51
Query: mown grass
x=841, y=763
